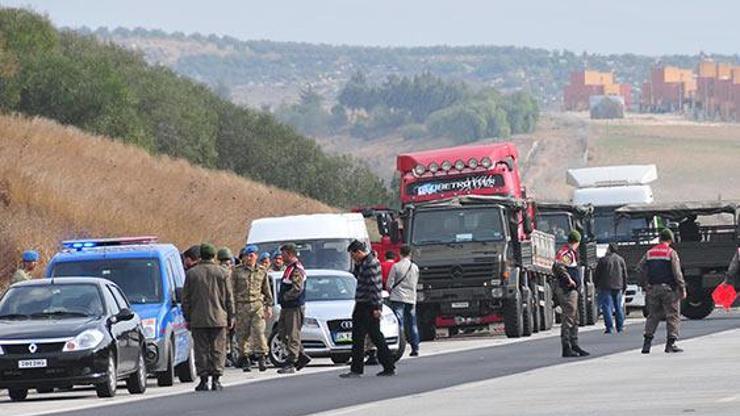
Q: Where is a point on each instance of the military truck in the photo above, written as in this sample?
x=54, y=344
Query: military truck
x=707, y=236
x=559, y=219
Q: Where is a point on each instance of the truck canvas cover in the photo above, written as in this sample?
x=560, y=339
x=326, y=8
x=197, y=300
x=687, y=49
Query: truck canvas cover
x=605, y=176
x=678, y=210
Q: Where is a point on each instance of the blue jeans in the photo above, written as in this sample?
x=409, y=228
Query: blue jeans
x=406, y=314
x=611, y=302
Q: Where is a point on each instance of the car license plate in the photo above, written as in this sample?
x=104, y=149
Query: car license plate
x=32, y=363
x=343, y=337
x=460, y=305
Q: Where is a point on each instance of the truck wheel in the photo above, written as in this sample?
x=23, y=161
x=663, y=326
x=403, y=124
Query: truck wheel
x=592, y=306
x=513, y=322
x=548, y=313
x=582, y=306
x=166, y=378
x=527, y=312
x=697, y=306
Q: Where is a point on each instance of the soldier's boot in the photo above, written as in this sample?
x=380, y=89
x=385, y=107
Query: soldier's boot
x=261, y=363
x=246, y=364
x=216, y=384
x=203, y=385
x=646, y=343
x=670, y=346
x=577, y=349
x=567, y=350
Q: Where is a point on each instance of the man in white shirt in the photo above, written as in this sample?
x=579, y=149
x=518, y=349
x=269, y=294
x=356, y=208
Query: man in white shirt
x=402, y=281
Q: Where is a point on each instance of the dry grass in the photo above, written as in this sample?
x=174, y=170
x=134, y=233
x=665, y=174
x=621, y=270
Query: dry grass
x=57, y=182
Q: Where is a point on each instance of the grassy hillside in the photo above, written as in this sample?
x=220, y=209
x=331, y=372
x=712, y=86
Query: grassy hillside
x=105, y=89
x=57, y=182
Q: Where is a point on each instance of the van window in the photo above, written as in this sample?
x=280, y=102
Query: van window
x=140, y=279
x=318, y=254
x=171, y=274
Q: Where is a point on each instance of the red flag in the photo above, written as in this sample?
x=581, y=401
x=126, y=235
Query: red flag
x=724, y=295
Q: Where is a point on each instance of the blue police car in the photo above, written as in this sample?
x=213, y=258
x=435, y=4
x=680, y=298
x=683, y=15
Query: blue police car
x=151, y=276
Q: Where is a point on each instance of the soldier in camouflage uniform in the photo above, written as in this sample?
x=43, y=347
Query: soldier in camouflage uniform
x=253, y=306
x=226, y=260
x=567, y=291
x=278, y=264
x=662, y=279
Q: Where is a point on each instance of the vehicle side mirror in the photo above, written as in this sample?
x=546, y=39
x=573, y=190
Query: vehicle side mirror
x=178, y=295
x=395, y=232
x=382, y=222
x=122, y=316
x=528, y=226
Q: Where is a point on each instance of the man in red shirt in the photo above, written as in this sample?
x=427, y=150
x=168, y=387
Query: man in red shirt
x=386, y=265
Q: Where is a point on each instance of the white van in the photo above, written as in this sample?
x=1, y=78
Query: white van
x=322, y=239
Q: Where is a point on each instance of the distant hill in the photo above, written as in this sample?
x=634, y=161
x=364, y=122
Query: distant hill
x=58, y=182
x=105, y=89
x=259, y=72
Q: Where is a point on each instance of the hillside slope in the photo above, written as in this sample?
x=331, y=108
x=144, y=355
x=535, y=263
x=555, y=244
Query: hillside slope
x=57, y=182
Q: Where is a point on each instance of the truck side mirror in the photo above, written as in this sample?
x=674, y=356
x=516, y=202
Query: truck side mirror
x=528, y=226
x=395, y=232
x=382, y=222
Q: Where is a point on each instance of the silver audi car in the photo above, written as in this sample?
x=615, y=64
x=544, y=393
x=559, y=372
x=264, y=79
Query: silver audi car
x=327, y=328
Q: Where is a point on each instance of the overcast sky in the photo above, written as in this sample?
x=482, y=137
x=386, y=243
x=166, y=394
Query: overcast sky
x=651, y=27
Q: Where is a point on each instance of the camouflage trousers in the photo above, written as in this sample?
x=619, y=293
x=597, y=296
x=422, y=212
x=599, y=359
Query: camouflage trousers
x=663, y=302
x=568, y=300
x=210, y=351
x=250, y=329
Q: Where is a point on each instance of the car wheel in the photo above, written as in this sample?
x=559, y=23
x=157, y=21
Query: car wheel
x=186, y=371
x=166, y=378
x=278, y=352
x=18, y=395
x=340, y=358
x=401, y=345
x=136, y=382
x=108, y=387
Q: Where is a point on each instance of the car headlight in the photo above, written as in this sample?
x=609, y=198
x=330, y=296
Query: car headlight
x=150, y=328
x=311, y=323
x=84, y=341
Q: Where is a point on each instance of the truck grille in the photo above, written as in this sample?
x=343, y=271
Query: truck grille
x=477, y=271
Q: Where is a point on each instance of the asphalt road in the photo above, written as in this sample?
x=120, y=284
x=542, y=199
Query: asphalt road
x=318, y=392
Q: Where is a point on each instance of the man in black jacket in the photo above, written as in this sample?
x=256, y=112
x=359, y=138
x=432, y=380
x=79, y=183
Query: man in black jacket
x=368, y=311
x=611, y=282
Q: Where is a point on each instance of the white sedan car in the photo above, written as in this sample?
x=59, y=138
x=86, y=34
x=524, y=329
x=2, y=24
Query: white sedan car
x=327, y=327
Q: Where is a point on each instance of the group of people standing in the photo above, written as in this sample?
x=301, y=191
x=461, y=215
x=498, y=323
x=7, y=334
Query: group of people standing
x=220, y=297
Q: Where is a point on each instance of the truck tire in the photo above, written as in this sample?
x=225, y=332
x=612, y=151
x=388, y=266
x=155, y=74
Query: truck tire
x=512, y=311
x=527, y=312
x=697, y=305
x=548, y=312
x=592, y=306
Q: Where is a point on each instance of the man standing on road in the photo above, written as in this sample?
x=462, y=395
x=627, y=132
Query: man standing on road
x=253, y=306
x=226, y=260
x=30, y=261
x=386, y=265
x=208, y=308
x=191, y=257
x=567, y=290
x=292, y=299
x=402, y=280
x=368, y=312
x=662, y=279
x=611, y=282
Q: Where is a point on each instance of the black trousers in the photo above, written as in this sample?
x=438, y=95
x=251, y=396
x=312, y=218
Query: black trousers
x=363, y=323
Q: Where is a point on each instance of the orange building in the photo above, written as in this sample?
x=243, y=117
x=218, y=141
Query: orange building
x=718, y=94
x=587, y=83
x=668, y=89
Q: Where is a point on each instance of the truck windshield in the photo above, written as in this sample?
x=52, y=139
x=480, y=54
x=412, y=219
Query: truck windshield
x=457, y=225
x=608, y=229
x=557, y=224
x=317, y=254
x=51, y=302
x=138, y=278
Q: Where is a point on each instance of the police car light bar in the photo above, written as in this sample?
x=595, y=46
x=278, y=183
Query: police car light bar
x=108, y=242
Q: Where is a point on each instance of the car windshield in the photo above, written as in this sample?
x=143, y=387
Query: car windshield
x=457, y=225
x=318, y=254
x=607, y=230
x=51, y=302
x=138, y=278
x=558, y=225
x=324, y=288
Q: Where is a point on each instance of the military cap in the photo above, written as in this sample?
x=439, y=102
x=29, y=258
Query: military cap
x=666, y=235
x=574, y=237
x=224, y=253
x=207, y=251
x=30, y=255
x=290, y=248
